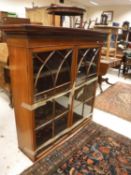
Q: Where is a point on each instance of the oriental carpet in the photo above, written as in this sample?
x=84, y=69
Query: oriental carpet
x=116, y=100
x=94, y=150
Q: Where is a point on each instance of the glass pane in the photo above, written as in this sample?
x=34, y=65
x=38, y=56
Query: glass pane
x=61, y=104
x=84, y=93
x=77, y=113
x=52, y=72
x=92, y=60
x=63, y=73
x=61, y=124
x=43, y=114
x=43, y=77
x=90, y=90
x=81, y=75
x=44, y=134
x=87, y=63
x=79, y=96
x=88, y=107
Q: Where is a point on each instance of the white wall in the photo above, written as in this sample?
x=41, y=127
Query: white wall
x=121, y=13
x=18, y=6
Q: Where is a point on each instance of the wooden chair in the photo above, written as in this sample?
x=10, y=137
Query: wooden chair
x=4, y=71
x=125, y=65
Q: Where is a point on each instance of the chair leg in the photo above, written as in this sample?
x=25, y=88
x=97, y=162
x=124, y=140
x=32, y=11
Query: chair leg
x=120, y=69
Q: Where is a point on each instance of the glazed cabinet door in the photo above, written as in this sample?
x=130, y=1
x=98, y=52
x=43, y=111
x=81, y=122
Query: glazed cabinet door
x=85, y=84
x=62, y=100
x=52, y=86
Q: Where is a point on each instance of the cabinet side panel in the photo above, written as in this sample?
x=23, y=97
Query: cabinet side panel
x=21, y=82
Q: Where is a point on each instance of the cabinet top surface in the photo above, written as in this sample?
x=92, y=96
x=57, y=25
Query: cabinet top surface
x=39, y=30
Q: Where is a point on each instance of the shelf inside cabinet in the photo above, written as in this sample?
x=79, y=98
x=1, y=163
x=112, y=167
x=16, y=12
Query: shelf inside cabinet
x=45, y=95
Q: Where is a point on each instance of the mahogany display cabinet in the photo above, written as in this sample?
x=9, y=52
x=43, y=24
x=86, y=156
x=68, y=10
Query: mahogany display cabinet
x=53, y=78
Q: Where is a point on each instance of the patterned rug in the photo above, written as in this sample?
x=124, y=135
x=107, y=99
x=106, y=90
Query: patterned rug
x=116, y=100
x=94, y=150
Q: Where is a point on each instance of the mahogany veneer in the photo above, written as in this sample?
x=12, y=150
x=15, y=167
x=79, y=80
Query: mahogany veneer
x=53, y=77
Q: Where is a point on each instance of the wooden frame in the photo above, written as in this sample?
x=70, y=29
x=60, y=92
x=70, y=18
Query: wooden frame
x=109, y=14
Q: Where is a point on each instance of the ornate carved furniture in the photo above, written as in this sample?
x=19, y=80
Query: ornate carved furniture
x=65, y=11
x=54, y=77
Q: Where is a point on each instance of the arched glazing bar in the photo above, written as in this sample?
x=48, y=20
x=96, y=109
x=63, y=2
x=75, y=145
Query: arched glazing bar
x=49, y=69
x=92, y=60
x=44, y=63
x=60, y=66
x=82, y=58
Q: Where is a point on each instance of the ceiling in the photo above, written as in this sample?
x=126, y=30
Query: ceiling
x=103, y=2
